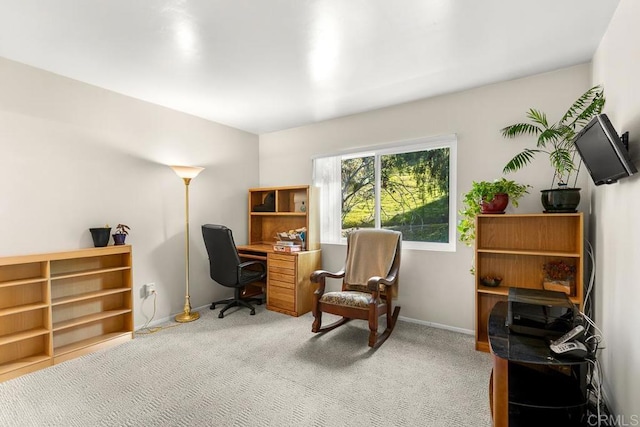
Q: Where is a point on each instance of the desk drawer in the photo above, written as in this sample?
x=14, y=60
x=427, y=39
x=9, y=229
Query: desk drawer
x=282, y=298
x=279, y=284
x=287, y=277
x=281, y=265
x=282, y=257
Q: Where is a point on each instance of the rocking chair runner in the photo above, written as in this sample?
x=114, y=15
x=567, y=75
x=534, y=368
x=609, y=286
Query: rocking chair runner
x=370, y=280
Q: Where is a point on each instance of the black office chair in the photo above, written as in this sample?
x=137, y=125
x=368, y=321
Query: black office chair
x=227, y=269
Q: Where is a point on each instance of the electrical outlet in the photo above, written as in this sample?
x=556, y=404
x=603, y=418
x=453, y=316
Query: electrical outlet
x=150, y=288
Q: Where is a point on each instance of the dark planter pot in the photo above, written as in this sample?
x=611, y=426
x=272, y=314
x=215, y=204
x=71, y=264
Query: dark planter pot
x=497, y=205
x=560, y=200
x=100, y=236
x=118, y=239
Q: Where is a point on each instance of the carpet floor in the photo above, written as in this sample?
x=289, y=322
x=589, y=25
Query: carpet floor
x=262, y=370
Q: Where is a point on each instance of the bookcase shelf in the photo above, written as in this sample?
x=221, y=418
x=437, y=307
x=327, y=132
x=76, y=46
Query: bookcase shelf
x=70, y=303
x=22, y=282
x=88, y=295
x=515, y=247
x=22, y=308
x=23, y=335
x=21, y=364
x=87, y=272
x=77, y=321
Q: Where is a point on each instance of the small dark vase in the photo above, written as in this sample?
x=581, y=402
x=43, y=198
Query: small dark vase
x=497, y=205
x=560, y=200
x=100, y=236
x=118, y=239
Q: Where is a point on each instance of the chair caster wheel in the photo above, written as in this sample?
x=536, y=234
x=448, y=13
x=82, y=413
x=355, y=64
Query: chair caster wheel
x=253, y=312
x=213, y=307
x=221, y=315
x=259, y=303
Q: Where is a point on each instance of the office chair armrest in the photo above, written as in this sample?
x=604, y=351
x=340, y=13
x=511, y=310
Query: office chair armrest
x=245, y=264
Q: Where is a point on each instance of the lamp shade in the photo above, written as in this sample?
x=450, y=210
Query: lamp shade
x=187, y=171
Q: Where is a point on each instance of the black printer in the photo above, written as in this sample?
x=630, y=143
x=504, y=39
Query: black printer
x=540, y=313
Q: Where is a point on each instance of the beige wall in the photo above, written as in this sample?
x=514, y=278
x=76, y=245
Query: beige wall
x=74, y=156
x=615, y=212
x=436, y=287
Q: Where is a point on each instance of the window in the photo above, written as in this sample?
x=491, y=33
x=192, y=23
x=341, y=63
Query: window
x=405, y=187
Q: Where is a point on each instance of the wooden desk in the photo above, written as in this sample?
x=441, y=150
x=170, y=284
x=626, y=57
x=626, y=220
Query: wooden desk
x=289, y=289
x=530, y=386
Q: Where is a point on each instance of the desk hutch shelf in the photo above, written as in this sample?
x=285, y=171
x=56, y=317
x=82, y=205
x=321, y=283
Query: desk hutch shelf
x=515, y=247
x=295, y=207
x=57, y=306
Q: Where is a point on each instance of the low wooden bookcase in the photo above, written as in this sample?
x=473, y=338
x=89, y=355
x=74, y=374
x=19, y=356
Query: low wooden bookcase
x=57, y=306
x=515, y=247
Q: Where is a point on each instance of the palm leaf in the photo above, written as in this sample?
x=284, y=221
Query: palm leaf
x=520, y=160
x=583, y=102
x=520, y=129
x=552, y=135
x=590, y=112
x=539, y=117
x=565, y=137
x=561, y=160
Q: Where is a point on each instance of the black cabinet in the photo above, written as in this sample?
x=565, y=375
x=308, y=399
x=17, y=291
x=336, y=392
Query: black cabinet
x=531, y=386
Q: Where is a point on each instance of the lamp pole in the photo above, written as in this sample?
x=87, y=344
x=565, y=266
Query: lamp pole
x=187, y=173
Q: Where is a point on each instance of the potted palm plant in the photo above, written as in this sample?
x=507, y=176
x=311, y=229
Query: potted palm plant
x=556, y=141
x=487, y=197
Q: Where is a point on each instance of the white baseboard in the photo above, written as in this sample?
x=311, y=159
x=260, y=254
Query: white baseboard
x=404, y=319
x=157, y=322
x=437, y=325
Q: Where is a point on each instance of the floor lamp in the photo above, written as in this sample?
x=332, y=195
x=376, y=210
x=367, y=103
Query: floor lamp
x=187, y=173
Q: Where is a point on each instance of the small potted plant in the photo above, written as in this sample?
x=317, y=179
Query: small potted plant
x=487, y=197
x=556, y=141
x=559, y=276
x=122, y=231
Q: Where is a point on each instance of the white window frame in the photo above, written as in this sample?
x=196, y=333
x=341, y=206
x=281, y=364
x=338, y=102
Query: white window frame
x=330, y=227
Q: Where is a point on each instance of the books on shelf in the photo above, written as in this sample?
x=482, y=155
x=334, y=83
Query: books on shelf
x=287, y=248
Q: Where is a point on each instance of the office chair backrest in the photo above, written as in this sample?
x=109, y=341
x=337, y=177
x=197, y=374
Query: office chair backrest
x=223, y=255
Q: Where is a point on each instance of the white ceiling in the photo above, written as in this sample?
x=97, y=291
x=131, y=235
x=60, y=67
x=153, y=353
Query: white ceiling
x=265, y=65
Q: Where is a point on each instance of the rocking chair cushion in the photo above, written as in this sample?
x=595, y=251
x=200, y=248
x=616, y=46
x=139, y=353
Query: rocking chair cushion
x=348, y=298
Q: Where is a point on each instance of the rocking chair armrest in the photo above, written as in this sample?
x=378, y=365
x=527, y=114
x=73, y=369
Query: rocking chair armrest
x=373, y=284
x=318, y=275
x=246, y=264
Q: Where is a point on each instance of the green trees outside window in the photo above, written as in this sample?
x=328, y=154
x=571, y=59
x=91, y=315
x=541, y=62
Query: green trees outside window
x=413, y=193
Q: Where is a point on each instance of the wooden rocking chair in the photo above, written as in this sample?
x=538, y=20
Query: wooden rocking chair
x=370, y=280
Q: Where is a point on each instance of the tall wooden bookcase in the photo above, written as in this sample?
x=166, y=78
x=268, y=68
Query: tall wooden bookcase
x=515, y=247
x=57, y=306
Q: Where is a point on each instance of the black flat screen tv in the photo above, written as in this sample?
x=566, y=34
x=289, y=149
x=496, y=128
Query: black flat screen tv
x=603, y=152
